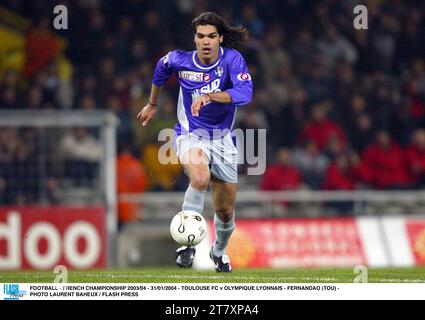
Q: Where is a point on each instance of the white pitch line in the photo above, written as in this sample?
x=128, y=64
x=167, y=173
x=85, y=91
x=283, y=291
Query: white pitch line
x=188, y=277
x=202, y=277
x=400, y=280
x=243, y=278
x=135, y=276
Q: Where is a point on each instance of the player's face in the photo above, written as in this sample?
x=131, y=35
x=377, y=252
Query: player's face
x=207, y=42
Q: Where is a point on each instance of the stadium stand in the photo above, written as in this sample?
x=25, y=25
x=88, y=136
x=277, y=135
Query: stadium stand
x=323, y=90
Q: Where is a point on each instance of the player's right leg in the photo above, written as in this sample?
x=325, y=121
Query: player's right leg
x=224, y=196
x=196, y=166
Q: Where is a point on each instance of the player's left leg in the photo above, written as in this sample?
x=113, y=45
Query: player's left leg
x=224, y=196
x=224, y=179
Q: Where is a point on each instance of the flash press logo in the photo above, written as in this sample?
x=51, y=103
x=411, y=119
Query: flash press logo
x=12, y=292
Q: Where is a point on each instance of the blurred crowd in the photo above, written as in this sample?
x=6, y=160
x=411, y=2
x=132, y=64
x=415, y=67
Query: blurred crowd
x=344, y=108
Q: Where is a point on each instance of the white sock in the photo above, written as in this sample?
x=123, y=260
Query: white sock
x=194, y=200
x=223, y=231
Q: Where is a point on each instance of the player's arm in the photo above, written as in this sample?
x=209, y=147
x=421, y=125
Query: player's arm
x=240, y=94
x=150, y=108
x=162, y=73
x=218, y=97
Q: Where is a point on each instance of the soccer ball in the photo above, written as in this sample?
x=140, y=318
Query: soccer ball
x=188, y=228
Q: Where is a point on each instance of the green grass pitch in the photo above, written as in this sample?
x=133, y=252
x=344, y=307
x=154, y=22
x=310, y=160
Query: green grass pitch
x=175, y=275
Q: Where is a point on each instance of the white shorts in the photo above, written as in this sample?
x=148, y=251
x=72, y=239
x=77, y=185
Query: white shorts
x=222, y=154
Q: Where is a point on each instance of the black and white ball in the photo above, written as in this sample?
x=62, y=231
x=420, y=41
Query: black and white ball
x=188, y=228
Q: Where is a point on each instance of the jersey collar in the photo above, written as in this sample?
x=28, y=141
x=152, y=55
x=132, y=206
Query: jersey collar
x=206, y=67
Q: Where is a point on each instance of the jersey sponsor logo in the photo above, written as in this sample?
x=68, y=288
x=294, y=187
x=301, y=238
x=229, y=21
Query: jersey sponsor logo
x=192, y=76
x=207, y=77
x=219, y=71
x=214, y=86
x=244, y=76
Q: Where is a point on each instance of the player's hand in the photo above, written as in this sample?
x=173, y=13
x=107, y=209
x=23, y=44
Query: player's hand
x=146, y=114
x=199, y=103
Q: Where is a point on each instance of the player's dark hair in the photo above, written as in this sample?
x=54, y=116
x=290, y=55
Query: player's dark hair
x=233, y=37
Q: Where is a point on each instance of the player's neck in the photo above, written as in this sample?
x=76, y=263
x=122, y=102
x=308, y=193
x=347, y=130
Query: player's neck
x=210, y=60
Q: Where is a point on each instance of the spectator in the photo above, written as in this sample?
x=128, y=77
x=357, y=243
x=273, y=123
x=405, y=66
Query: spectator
x=88, y=86
x=311, y=163
x=120, y=90
x=416, y=103
x=336, y=47
x=113, y=104
x=8, y=147
x=345, y=82
x=272, y=54
x=316, y=82
x=385, y=161
x=152, y=30
x=275, y=64
x=81, y=153
x=137, y=53
x=382, y=105
x=19, y=174
x=339, y=177
x=286, y=127
x=162, y=177
x=251, y=118
x=131, y=178
x=25, y=176
x=347, y=112
x=322, y=130
x=305, y=49
x=2, y=188
x=359, y=172
x=281, y=175
x=362, y=132
x=87, y=103
x=35, y=98
x=106, y=75
x=367, y=56
x=251, y=20
x=9, y=98
x=416, y=159
x=383, y=40
x=41, y=48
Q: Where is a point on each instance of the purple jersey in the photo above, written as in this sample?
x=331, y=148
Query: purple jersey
x=229, y=73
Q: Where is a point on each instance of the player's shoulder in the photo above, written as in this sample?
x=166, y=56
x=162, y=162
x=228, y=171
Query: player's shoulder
x=178, y=55
x=230, y=54
x=181, y=53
